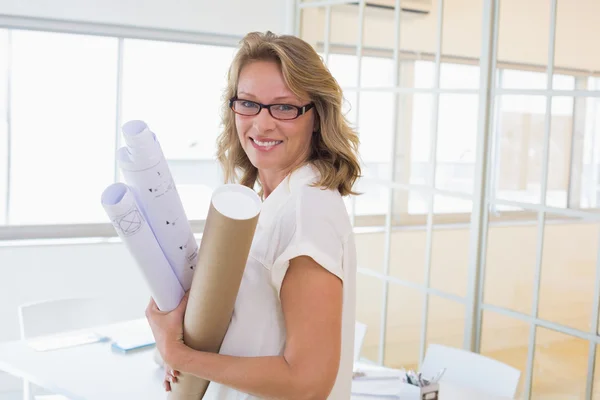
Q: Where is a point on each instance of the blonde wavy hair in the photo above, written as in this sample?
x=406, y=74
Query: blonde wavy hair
x=334, y=145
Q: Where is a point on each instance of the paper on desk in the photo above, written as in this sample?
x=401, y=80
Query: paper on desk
x=377, y=374
x=392, y=388
x=228, y=234
x=131, y=225
x=146, y=172
x=129, y=335
x=64, y=339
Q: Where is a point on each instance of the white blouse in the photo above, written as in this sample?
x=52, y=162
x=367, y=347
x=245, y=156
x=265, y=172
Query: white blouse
x=296, y=219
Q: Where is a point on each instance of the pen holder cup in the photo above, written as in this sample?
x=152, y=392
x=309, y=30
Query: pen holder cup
x=430, y=392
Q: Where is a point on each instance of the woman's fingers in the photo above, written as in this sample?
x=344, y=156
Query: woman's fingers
x=170, y=377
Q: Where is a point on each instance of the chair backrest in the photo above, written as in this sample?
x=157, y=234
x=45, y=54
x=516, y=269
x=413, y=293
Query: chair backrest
x=360, y=330
x=471, y=370
x=61, y=315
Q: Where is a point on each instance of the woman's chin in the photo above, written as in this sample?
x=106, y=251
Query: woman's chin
x=263, y=165
x=264, y=161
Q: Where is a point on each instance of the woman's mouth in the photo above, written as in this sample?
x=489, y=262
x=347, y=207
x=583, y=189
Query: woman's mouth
x=265, y=145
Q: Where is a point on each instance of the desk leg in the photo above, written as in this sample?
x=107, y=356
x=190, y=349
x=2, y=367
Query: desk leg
x=27, y=393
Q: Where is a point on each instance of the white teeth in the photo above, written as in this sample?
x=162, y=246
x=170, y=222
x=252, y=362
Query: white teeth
x=265, y=144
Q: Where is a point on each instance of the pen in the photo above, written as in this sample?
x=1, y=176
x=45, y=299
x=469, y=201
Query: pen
x=439, y=375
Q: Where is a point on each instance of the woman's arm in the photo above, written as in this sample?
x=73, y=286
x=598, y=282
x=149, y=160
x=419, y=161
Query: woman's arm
x=311, y=299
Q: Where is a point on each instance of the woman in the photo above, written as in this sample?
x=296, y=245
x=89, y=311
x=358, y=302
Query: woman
x=292, y=332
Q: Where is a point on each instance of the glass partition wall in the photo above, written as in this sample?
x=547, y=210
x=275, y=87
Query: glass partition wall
x=480, y=140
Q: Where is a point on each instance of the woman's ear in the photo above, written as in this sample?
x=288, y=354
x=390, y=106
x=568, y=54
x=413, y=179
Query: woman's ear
x=317, y=125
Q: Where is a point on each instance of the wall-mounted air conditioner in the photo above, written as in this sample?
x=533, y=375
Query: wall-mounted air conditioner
x=410, y=8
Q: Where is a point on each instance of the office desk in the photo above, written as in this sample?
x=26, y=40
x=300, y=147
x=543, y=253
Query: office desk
x=96, y=372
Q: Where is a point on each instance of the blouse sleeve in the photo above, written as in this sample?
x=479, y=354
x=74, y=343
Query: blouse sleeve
x=317, y=234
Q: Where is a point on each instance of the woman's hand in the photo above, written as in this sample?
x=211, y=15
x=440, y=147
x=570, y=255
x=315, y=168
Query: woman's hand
x=167, y=328
x=170, y=377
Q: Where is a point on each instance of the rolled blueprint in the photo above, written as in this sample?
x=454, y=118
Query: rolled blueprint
x=133, y=229
x=146, y=172
x=224, y=248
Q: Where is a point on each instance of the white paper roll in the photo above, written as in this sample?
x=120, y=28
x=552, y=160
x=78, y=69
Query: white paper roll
x=133, y=229
x=147, y=174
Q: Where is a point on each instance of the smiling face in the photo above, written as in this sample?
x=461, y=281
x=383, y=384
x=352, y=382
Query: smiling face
x=272, y=145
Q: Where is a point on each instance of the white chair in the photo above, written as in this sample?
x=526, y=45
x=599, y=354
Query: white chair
x=471, y=370
x=360, y=330
x=60, y=315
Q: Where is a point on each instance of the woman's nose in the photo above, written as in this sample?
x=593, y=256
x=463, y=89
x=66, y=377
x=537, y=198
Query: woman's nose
x=263, y=121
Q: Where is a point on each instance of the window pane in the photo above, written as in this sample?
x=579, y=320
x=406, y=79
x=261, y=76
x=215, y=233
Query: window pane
x=559, y=366
x=461, y=29
x=568, y=271
x=369, y=292
x=409, y=246
x=403, y=327
x=312, y=22
x=418, y=36
x=3, y=123
x=459, y=76
x=518, y=148
x=505, y=339
x=576, y=19
x=510, y=262
x=515, y=79
x=177, y=91
x=377, y=72
x=560, y=151
x=375, y=128
x=370, y=250
x=450, y=248
x=518, y=79
x=456, y=143
x=591, y=149
x=63, y=126
x=517, y=17
x=445, y=322
x=344, y=69
x=419, y=111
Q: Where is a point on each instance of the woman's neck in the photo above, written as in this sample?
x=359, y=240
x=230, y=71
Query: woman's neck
x=270, y=179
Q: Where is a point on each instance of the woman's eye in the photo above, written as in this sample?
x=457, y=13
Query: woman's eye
x=284, y=107
x=248, y=104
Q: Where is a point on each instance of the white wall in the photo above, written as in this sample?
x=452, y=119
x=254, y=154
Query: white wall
x=226, y=17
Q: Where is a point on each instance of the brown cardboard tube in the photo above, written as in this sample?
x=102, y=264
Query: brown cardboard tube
x=224, y=248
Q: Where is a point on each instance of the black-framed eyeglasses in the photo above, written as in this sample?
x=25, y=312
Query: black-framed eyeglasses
x=277, y=111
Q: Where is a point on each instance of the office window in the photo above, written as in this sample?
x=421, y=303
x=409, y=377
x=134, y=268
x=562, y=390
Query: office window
x=375, y=123
x=459, y=76
x=457, y=126
x=520, y=128
x=3, y=124
x=176, y=88
x=456, y=136
x=344, y=69
x=591, y=149
x=63, y=113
